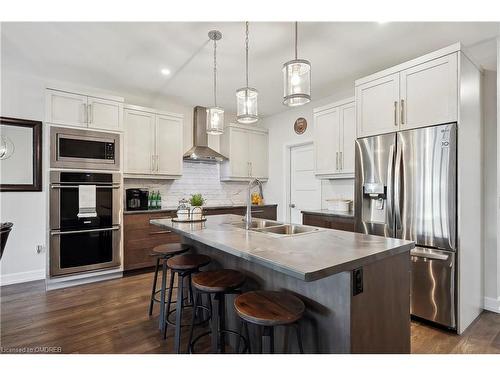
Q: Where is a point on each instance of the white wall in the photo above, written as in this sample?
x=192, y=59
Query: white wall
x=22, y=96
x=281, y=135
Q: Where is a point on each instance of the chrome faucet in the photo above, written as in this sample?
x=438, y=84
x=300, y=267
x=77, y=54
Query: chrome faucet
x=248, y=217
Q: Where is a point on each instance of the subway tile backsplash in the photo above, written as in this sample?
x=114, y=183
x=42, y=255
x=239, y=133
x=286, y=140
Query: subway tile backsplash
x=196, y=178
x=336, y=189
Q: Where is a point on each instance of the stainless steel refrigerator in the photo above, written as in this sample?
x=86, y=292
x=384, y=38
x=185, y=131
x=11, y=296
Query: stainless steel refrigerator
x=406, y=187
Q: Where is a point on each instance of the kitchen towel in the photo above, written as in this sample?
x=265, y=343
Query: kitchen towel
x=86, y=201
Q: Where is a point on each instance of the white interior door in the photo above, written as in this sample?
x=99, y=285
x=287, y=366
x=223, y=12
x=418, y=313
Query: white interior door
x=305, y=189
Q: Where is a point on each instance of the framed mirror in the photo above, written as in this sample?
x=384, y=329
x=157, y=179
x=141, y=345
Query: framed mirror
x=20, y=155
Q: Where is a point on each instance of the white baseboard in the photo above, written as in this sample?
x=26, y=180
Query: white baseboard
x=22, y=277
x=492, y=304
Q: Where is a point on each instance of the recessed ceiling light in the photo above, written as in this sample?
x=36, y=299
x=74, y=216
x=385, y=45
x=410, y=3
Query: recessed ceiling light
x=165, y=71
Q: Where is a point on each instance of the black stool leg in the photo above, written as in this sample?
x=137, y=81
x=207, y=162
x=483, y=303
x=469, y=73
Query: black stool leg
x=299, y=337
x=195, y=306
x=178, y=314
x=153, y=289
x=249, y=347
x=269, y=332
x=214, y=327
x=190, y=287
x=222, y=322
x=161, y=322
x=166, y=311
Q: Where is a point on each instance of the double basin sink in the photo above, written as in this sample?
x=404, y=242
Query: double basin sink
x=275, y=227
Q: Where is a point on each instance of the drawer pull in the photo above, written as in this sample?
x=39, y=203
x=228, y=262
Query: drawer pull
x=161, y=232
x=257, y=211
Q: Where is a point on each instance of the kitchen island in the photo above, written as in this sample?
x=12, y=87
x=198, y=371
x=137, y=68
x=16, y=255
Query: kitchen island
x=356, y=287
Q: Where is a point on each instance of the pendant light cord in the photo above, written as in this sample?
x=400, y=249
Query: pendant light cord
x=296, y=37
x=215, y=73
x=246, y=51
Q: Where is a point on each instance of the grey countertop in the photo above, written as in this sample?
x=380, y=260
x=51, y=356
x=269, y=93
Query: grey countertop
x=168, y=209
x=308, y=256
x=346, y=214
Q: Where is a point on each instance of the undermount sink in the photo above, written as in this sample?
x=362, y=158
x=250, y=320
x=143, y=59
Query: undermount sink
x=258, y=224
x=288, y=229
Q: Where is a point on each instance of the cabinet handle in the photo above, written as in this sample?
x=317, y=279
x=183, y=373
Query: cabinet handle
x=90, y=116
x=341, y=161
x=157, y=164
x=161, y=232
x=337, y=161
x=251, y=169
x=402, y=111
x=395, y=113
x=152, y=163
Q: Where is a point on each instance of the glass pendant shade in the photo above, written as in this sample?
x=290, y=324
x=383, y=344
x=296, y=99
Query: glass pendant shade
x=215, y=120
x=247, y=111
x=296, y=82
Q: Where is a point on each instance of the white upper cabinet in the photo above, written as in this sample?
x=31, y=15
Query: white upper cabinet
x=347, y=116
x=139, y=145
x=247, y=151
x=377, y=104
x=77, y=109
x=153, y=143
x=104, y=114
x=420, y=92
x=334, y=137
x=429, y=93
x=168, y=145
x=326, y=141
x=63, y=108
x=258, y=154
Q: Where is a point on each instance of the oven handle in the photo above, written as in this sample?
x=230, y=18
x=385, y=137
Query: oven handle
x=58, y=232
x=58, y=186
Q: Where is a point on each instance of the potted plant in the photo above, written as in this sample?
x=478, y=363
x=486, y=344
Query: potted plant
x=196, y=202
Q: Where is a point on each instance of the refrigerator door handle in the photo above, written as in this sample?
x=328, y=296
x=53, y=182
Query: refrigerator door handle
x=390, y=203
x=428, y=255
x=398, y=190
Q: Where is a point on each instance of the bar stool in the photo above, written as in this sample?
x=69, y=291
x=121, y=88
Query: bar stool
x=183, y=266
x=269, y=309
x=218, y=283
x=163, y=253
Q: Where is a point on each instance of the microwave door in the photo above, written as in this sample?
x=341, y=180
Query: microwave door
x=425, y=185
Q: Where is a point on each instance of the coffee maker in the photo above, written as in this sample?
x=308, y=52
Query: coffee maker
x=137, y=199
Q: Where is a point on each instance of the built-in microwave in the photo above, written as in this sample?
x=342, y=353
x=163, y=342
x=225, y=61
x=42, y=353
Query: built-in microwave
x=84, y=149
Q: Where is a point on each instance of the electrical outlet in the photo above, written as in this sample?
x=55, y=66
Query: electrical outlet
x=39, y=249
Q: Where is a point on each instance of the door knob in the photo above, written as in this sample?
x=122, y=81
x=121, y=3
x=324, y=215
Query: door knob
x=292, y=205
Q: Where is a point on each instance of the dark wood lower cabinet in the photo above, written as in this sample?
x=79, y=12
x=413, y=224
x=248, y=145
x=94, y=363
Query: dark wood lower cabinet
x=140, y=236
x=332, y=222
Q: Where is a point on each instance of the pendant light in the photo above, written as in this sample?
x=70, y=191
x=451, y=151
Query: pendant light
x=296, y=79
x=246, y=97
x=215, y=115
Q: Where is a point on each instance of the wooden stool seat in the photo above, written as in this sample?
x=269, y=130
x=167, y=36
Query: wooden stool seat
x=218, y=281
x=188, y=262
x=170, y=249
x=268, y=308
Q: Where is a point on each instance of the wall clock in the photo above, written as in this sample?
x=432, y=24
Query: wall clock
x=300, y=125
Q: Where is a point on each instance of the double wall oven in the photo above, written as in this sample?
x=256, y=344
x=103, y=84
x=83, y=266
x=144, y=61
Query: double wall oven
x=84, y=242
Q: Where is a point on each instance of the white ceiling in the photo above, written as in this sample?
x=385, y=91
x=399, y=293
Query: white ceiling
x=128, y=57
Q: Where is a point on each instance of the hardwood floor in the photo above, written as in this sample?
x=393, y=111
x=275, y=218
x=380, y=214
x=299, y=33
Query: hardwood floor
x=111, y=317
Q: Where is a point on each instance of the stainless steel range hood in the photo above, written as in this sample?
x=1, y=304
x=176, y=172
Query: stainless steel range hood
x=200, y=152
